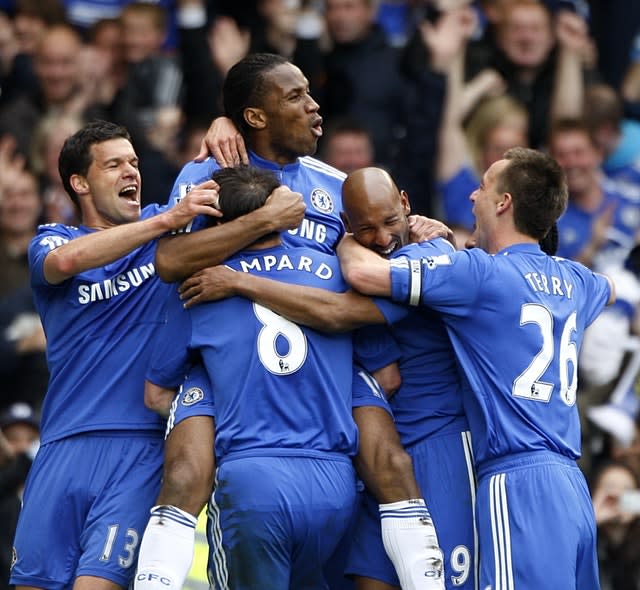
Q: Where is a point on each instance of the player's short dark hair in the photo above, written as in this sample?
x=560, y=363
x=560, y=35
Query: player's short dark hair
x=245, y=85
x=538, y=187
x=243, y=189
x=75, y=155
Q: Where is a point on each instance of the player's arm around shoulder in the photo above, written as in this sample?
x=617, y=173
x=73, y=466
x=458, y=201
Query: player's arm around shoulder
x=315, y=307
x=180, y=256
x=102, y=247
x=363, y=269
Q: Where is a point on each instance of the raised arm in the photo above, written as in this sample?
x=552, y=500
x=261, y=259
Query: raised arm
x=573, y=48
x=317, y=308
x=182, y=255
x=107, y=245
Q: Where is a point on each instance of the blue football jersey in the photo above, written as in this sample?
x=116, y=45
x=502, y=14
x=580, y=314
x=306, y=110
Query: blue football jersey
x=429, y=400
x=98, y=326
x=319, y=184
x=516, y=321
x=278, y=388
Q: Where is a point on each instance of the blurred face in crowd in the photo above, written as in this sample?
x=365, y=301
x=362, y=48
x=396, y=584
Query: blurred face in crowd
x=500, y=139
x=29, y=31
x=348, y=151
x=57, y=64
x=107, y=39
x=20, y=205
x=612, y=483
x=376, y=211
x=20, y=436
x=348, y=21
x=526, y=34
x=579, y=159
x=288, y=121
x=140, y=36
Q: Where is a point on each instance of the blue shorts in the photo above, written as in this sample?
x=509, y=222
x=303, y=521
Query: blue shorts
x=444, y=470
x=274, y=522
x=85, y=507
x=194, y=398
x=536, y=524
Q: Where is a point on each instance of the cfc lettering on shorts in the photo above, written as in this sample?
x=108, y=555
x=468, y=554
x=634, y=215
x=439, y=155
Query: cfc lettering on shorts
x=552, y=285
x=284, y=262
x=311, y=230
x=91, y=292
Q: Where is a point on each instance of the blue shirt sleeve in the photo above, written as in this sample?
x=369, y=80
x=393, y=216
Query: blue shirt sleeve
x=375, y=347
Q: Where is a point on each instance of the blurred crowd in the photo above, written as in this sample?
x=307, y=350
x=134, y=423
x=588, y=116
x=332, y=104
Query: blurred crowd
x=432, y=90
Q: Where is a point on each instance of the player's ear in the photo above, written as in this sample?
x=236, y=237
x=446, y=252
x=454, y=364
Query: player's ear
x=255, y=117
x=505, y=203
x=406, y=205
x=79, y=184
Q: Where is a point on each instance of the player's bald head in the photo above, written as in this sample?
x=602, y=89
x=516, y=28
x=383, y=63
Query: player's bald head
x=368, y=186
x=375, y=211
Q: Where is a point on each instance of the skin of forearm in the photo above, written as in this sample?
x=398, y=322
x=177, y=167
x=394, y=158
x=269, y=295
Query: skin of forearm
x=100, y=248
x=179, y=256
x=323, y=310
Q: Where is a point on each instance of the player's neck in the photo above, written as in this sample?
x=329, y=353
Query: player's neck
x=506, y=239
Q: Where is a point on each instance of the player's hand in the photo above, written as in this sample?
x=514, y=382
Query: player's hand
x=285, y=208
x=423, y=228
x=202, y=199
x=209, y=284
x=224, y=142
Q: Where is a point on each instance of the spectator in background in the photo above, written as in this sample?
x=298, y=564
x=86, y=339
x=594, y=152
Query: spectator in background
x=149, y=102
x=347, y=146
x=16, y=69
x=23, y=369
x=353, y=85
x=60, y=77
x=50, y=134
x=618, y=138
x=602, y=218
x=32, y=19
x=19, y=441
x=618, y=519
x=153, y=79
x=20, y=211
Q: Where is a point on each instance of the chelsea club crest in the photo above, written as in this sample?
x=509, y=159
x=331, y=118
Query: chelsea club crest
x=192, y=396
x=321, y=200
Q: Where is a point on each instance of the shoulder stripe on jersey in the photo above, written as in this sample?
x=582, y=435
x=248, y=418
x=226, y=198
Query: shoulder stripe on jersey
x=314, y=164
x=473, y=485
x=218, y=572
x=501, y=533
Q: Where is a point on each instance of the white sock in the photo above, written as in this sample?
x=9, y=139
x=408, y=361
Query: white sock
x=166, y=551
x=411, y=543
